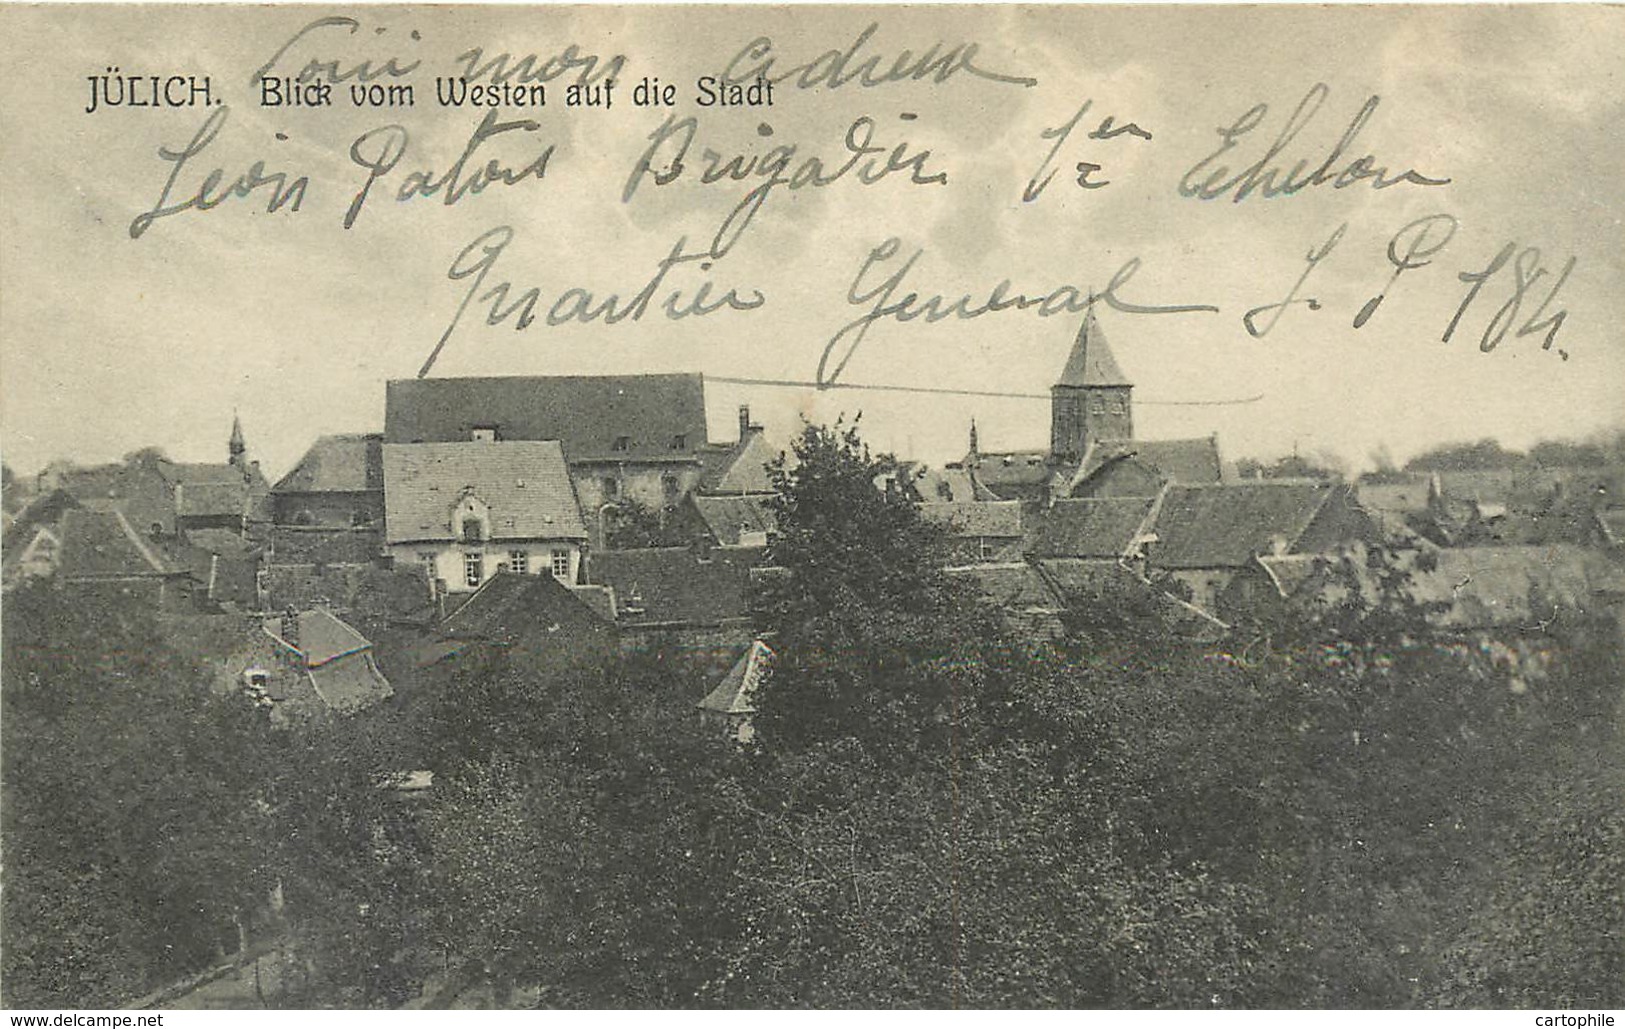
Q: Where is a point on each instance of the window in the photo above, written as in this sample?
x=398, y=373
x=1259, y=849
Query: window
x=473, y=530
x=679, y=441
x=561, y=563
x=612, y=488
x=360, y=517
x=986, y=548
x=668, y=483
x=622, y=443
x=1097, y=406
x=518, y=562
x=473, y=569
x=427, y=558
x=1117, y=407
x=484, y=434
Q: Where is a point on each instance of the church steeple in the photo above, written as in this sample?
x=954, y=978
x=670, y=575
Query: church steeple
x=975, y=452
x=238, y=447
x=1091, y=400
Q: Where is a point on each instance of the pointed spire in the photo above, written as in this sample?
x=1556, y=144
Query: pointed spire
x=238, y=446
x=1091, y=362
x=974, y=452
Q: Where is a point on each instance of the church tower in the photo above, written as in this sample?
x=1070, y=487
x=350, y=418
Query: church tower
x=1091, y=401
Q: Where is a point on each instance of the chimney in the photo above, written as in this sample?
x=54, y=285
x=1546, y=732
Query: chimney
x=290, y=627
x=744, y=420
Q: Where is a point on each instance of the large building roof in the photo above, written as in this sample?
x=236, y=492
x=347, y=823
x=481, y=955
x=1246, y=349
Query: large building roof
x=595, y=417
x=104, y=545
x=347, y=463
x=1091, y=362
x=1091, y=528
x=975, y=518
x=675, y=585
x=525, y=484
x=1226, y=526
x=508, y=607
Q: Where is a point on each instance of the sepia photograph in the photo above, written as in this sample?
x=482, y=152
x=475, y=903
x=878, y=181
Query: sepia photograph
x=817, y=507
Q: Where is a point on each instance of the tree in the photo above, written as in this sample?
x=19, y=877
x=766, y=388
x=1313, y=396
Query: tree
x=874, y=641
x=135, y=844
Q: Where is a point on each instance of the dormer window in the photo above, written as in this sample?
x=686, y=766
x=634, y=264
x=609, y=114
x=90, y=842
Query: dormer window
x=622, y=444
x=484, y=434
x=679, y=441
x=473, y=530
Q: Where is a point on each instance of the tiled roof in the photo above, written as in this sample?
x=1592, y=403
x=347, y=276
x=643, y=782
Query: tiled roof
x=675, y=585
x=1013, y=584
x=735, y=694
x=324, y=638
x=1091, y=528
x=587, y=413
x=104, y=545
x=1075, y=575
x=524, y=483
x=726, y=517
x=509, y=606
x=1091, y=362
x=1226, y=526
x=976, y=518
x=348, y=463
x=211, y=499
x=350, y=683
x=741, y=468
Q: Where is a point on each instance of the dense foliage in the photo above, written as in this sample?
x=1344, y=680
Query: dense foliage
x=1351, y=813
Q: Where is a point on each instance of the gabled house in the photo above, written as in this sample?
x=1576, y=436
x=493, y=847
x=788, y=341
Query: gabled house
x=337, y=484
x=1204, y=535
x=533, y=615
x=624, y=437
x=1104, y=530
x=742, y=521
x=465, y=511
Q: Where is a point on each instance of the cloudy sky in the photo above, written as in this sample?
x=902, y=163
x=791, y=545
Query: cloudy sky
x=109, y=343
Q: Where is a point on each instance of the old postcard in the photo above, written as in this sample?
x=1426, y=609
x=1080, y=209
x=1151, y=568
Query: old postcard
x=813, y=506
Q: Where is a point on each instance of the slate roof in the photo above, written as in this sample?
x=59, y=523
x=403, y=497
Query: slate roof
x=345, y=463
x=525, y=484
x=726, y=517
x=673, y=585
x=1186, y=461
x=975, y=518
x=1226, y=526
x=741, y=468
x=586, y=413
x=735, y=694
x=104, y=545
x=1103, y=528
x=1091, y=362
x=931, y=485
